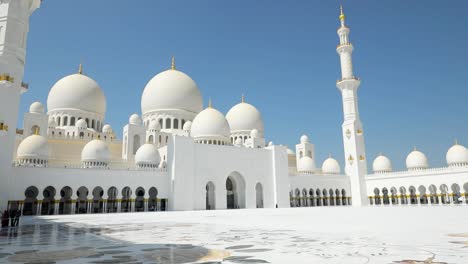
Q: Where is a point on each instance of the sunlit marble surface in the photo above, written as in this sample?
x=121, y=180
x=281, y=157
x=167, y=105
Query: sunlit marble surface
x=296, y=235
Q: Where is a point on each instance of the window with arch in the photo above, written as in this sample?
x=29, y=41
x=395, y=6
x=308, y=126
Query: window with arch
x=176, y=124
x=87, y=122
x=168, y=123
x=151, y=139
x=160, y=122
x=72, y=121
x=35, y=129
x=93, y=124
x=65, y=120
x=301, y=154
x=58, y=121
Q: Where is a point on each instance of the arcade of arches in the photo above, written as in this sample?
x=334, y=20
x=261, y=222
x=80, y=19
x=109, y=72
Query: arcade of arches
x=431, y=195
x=235, y=193
x=318, y=197
x=85, y=202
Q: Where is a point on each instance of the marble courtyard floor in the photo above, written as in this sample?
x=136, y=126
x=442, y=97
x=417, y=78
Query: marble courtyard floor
x=295, y=235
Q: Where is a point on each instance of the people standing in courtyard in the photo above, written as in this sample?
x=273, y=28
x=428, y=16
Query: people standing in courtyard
x=5, y=219
x=15, y=217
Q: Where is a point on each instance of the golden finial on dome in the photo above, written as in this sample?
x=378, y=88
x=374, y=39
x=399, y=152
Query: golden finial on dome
x=414, y=148
x=210, y=104
x=80, y=69
x=242, y=98
x=456, y=141
x=342, y=15
x=173, y=63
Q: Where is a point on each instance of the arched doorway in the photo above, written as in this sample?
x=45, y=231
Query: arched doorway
x=235, y=191
x=153, y=199
x=112, y=200
x=385, y=197
x=98, y=203
x=140, y=199
x=433, y=190
x=30, y=202
x=456, y=195
x=65, y=200
x=48, y=203
x=259, y=195
x=82, y=201
x=126, y=200
x=210, y=196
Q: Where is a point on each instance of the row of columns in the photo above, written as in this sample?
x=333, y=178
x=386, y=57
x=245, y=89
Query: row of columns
x=428, y=198
x=89, y=205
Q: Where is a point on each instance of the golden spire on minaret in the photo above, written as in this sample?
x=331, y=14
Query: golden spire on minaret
x=173, y=63
x=80, y=69
x=342, y=15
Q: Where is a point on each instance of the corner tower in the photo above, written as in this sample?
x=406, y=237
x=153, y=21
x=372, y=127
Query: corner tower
x=14, y=27
x=353, y=135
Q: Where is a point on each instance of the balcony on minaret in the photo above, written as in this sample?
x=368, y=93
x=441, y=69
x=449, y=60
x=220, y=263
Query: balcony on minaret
x=352, y=78
x=6, y=78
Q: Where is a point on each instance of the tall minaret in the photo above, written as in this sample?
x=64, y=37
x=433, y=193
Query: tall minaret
x=353, y=135
x=14, y=27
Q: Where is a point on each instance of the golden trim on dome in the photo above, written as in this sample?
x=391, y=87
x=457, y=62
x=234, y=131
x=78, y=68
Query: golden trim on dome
x=173, y=67
x=342, y=15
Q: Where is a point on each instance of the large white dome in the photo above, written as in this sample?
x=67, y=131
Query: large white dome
x=331, y=166
x=306, y=164
x=382, y=164
x=95, y=151
x=416, y=160
x=77, y=91
x=33, y=147
x=244, y=117
x=210, y=123
x=147, y=154
x=171, y=89
x=457, y=155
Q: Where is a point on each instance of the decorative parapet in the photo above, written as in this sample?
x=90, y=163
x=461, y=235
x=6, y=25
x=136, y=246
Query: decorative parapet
x=420, y=172
x=115, y=167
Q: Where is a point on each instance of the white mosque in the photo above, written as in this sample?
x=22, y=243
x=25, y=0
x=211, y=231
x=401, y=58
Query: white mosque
x=178, y=155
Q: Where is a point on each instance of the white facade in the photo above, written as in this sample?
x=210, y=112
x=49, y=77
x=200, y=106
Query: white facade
x=179, y=156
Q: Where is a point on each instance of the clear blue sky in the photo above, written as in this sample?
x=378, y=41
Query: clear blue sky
x=410, y=55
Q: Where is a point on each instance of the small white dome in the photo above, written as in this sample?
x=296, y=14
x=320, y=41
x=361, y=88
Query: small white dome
x=457, y=155
x=154, y=125
x=33, y=147
x=147, y=154
x=304, y=139
x=95, y=151
x=238, y=142
x=52, y=123
x=382, y=164
x=77, y=91
x=306, y=164
x=107, y=129
x=270, y=144
x=291, y=152
x=416, y=160
x=36, y=108
x=254, y=133
x=210, y=123
x=134, y=120
x=171, y=89
x=187, y=126
x=244, y=117
x=81, y=124
x=331, y=166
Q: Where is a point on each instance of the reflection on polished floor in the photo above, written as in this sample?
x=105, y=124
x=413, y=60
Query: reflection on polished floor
x=296, y=235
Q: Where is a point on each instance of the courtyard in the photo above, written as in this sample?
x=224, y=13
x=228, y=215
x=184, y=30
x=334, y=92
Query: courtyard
x=405, y=234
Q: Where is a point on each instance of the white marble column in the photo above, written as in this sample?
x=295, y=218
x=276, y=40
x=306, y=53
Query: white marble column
x=132, y=203
x=56, y=207
x=146, y=204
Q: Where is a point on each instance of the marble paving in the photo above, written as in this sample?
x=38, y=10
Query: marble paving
x=294, y=235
